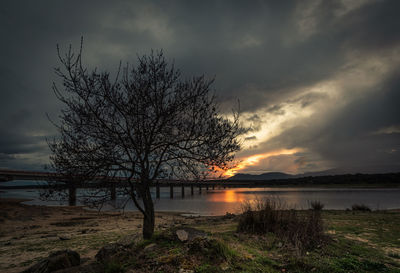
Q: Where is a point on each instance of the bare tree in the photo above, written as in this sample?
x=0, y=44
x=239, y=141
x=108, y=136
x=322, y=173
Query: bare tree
x=146, y=124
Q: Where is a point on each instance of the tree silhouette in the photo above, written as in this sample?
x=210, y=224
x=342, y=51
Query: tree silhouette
x=147, y=123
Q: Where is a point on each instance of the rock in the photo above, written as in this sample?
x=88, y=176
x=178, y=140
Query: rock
x=207, y=247
x=109, y=252
x=185, y=270
x=182, y=235
x=224, y=266
x=150, y=247
x=56, y=261
x=188, y=234
x=64, y=237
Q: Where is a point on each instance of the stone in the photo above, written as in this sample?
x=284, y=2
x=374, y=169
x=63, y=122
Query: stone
x=182, y=235
x=64, y=237
x=188, y=234
x=182, y=270
x=56, y=261
x=224, y=266
x=109, y=252
x=150, y=247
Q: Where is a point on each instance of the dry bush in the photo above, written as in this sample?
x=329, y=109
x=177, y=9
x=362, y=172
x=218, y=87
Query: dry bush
x=316, y=205
x=361, y=207
x=304, y=231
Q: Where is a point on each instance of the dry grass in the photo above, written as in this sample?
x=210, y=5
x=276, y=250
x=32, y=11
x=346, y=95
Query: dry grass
x=303, y=231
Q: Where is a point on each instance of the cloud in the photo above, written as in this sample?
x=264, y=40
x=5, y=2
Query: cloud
x=313, y=75
x=394, y=129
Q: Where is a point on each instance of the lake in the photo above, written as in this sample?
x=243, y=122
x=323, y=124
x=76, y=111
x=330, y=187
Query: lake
x=220, y=201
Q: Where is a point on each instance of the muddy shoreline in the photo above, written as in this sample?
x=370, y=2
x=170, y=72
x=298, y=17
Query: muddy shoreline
x=30, y=232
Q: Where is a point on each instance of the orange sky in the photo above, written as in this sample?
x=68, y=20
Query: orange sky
x=255, y=159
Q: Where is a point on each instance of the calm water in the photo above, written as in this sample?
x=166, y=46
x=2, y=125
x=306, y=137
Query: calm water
x=220, y=201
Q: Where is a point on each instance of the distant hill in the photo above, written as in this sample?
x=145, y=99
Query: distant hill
x=337, y=177
x=281, y=175
x=263, y=176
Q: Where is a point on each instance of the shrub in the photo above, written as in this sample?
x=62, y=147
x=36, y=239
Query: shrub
x=360, y=207
x=211, y=249
x=316, y=205
x=113, y=267
x=301, y=231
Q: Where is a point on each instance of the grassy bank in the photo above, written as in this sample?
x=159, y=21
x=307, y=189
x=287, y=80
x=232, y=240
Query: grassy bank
x=357, y=242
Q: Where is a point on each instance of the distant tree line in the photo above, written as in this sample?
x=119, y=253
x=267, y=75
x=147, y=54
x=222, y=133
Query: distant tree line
x=387, y=179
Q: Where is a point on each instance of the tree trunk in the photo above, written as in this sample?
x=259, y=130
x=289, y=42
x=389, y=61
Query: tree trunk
x=149, y=217
x=72, y=195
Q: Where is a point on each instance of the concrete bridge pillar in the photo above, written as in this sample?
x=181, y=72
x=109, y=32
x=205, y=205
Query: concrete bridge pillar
x=183, y=191
x=113, y=192
x=171, y=191
x=158, y=191
x=191, y=190
x=72, y=195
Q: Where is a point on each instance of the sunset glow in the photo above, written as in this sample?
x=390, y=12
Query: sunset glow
x=255, y=159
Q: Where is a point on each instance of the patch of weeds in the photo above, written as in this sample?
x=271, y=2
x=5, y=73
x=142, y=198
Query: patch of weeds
x=211, y=250
x=353, y=264
x=304, y=230
x=142, y=244
x=207, y=268
x=261, y=259
x=26, y=263
x=114, y=267
x=361, y=207
x=260, y=265
x=133, y=261
x=394, y=255
x=316, y=205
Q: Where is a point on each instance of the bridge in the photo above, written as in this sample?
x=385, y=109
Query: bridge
x=7, y=175
x=10, y=175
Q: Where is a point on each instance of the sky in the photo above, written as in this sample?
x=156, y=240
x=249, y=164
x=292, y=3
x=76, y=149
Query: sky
x=318, y=81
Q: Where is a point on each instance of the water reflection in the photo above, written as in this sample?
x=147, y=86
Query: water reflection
x=227, y=196
x=220, y=201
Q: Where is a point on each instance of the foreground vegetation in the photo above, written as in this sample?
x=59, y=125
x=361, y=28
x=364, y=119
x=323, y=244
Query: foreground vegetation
x=354, y=241
x=358, y=242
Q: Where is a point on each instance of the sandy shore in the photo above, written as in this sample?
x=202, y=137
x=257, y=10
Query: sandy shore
x=29, y=233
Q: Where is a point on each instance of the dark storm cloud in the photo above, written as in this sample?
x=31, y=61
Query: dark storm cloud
x=261, y=52
x=352, y=138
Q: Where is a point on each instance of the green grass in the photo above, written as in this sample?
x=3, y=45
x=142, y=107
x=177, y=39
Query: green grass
x=358, y=242
x=381, y=228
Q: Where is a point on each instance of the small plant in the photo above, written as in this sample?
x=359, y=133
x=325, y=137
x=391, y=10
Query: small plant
x=360, y=207
x=394, y=255
x=316, y=205
x=114, y=267
x=304, y=232
x=212, y=249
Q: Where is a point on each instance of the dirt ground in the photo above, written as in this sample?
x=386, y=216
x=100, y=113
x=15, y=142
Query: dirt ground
x=29, y=233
